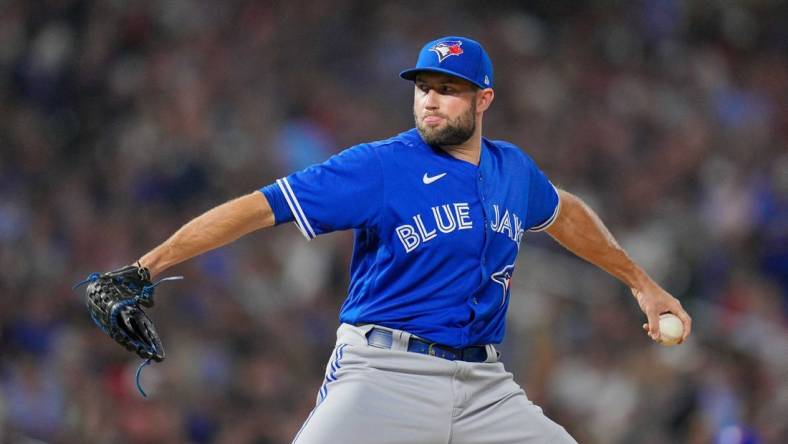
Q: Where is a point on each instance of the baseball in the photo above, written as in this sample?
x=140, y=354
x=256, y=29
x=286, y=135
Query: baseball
x=670, y=329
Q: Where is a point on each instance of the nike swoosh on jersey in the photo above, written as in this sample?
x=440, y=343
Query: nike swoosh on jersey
x=428, y=180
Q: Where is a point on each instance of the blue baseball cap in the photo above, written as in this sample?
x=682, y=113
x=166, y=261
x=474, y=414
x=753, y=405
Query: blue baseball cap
x=456, y=56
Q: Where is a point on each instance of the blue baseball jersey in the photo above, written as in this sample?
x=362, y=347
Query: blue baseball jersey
x=436, y=238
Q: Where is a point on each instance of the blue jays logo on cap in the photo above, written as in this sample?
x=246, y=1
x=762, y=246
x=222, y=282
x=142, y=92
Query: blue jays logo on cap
x=472, y=62
x=446, y=49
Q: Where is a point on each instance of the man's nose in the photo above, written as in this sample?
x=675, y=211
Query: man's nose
x=431, y=100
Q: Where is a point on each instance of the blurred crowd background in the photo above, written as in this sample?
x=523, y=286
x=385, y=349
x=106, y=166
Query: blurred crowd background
x=120, y=120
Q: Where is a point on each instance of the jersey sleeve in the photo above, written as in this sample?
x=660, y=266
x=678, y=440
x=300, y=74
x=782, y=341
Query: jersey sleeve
x=343, y=192
x=543, y=200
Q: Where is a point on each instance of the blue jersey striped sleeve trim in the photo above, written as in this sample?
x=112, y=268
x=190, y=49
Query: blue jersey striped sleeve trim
x=286, y=207
x=295, y=207
x=546, y=224
x=276, y=200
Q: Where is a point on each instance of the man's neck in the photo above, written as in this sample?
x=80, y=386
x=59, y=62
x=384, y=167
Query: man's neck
x=470, y=150
x=466, y=152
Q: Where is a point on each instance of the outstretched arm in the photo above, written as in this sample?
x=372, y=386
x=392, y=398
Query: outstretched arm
x=214, y=228
x=581, y=231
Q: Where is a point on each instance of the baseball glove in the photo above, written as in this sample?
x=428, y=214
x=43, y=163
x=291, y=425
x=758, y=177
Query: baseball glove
x=115, y=301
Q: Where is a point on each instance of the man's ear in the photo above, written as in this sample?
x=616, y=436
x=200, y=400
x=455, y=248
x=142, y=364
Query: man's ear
x=484, y=99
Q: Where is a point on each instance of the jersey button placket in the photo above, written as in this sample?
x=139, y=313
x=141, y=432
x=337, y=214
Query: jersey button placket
x=480, y=188
x=474, y=300
x=483, y=260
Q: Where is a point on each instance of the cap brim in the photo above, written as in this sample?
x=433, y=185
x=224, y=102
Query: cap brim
x=410, y=74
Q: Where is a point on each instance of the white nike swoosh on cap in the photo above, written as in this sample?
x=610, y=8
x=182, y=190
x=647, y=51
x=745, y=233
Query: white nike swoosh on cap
x=428, y=180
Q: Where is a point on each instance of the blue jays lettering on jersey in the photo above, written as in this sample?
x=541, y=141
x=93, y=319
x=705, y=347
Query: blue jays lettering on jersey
x=436, y=237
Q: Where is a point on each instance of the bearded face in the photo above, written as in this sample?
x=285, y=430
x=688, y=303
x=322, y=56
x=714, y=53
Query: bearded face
x=451, y=131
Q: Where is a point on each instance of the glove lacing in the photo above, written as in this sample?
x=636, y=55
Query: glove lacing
x=144, y=296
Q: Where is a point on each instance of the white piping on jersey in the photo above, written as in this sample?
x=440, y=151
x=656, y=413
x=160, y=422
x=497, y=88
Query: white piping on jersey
x=298, y=214
x=546, y=224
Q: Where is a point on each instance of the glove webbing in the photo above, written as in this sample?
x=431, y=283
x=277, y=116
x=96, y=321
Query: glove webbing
x=145, y=295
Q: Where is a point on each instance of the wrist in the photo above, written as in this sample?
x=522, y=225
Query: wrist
x=149, y=264
x=640, y=282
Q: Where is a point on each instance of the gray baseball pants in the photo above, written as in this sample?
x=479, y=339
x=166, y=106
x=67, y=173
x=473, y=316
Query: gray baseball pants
x=391, y=396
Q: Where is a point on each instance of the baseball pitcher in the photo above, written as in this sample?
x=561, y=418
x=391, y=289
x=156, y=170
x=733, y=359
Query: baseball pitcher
x=439, y=213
